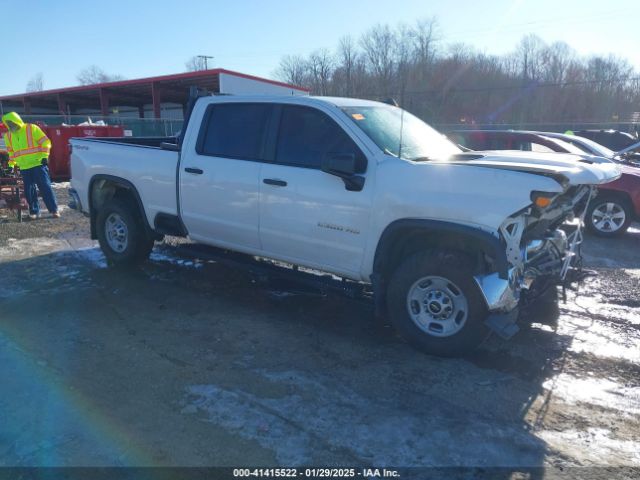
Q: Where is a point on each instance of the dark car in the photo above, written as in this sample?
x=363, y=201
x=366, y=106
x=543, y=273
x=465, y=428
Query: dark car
x=617, y=203
x=594, y=148
x=612, y=139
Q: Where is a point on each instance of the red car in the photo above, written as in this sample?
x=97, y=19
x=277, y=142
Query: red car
x=617, y=203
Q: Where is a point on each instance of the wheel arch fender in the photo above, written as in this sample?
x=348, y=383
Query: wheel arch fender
x=398, y=233
x=622, y=195
x=104, y=187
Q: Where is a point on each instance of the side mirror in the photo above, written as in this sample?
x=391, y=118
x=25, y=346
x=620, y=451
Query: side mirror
x=344, y=165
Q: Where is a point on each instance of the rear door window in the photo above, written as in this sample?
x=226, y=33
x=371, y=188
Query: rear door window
x=235, y=130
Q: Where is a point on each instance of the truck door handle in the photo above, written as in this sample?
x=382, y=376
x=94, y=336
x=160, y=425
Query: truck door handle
x=275, y=182
x=197, y=171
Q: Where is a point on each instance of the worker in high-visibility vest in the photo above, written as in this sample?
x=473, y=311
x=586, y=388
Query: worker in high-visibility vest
x=28, y=149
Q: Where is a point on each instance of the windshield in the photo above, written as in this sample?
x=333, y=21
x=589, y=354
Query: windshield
x=590, y=146
x=569, y=147
x=386, y=126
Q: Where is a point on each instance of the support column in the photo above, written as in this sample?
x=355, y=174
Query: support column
x=104, y=102
x=62, y=105
x=26, y=104
x=155, y=94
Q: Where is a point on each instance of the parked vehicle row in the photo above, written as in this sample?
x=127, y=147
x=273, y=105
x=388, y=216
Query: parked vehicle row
x=447, y=241
x=617, y=203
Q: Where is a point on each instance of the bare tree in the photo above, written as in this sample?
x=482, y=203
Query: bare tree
x=378, y=44
x=606, y=72
x=425, y=36
x=195, y=64
x=530, y=52
x=293, y=69
x=94, y=74
x=535, y=83
x=402, y=50
x=556, y=60
x=321, y=64
x=36, y=83
x=347, y=58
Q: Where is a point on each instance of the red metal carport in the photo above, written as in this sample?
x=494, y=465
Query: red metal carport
x=144, y=91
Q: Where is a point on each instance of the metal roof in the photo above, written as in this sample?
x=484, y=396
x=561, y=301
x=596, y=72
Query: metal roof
x=137, y=92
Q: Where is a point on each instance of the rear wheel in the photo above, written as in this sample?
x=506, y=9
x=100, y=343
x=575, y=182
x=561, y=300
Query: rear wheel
x=121, y=233
x=436, y=305
x=608, y=216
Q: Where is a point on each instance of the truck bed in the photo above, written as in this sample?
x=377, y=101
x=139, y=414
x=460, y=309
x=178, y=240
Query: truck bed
x=140, y=161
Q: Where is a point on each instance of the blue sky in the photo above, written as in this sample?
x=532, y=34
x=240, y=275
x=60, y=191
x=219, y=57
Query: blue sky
x=139, y=38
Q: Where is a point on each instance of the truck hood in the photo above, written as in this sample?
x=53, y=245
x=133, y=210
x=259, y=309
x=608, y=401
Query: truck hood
x=565, y=168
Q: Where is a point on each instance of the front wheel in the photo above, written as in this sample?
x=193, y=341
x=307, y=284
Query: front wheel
x=436, y=305
x=121, y=234
x=608, y=216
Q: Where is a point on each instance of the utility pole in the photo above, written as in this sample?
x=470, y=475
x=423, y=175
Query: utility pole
x=205, y=58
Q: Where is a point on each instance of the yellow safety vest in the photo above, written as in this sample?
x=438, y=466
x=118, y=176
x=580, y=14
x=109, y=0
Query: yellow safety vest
x=28, y=146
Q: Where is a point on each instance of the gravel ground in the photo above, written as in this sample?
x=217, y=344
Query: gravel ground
x=185, y=362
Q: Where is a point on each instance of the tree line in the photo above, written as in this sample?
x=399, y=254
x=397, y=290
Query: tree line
x=90, y=75
x=454, y=83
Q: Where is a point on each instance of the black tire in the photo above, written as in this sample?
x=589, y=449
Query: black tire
x=138, y=245
x=455, y=268
x=619, y=204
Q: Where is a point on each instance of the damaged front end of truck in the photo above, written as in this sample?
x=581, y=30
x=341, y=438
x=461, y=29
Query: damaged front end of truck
x=542, y=245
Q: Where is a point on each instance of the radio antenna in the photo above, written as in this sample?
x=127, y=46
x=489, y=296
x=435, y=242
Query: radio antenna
x=401, y=128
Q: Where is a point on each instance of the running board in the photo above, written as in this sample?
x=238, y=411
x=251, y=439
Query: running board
x=280, y=278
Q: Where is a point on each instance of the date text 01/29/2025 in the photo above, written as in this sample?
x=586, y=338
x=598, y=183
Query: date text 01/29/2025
x=315, y=473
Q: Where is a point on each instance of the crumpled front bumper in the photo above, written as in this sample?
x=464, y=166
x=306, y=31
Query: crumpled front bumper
x=540, y=257
x=502, y=297
x=500, y=294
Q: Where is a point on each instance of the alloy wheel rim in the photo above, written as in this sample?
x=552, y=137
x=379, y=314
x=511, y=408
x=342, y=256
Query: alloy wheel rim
x=608, y=217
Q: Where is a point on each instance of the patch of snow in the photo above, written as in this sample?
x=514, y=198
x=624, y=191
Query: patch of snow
x=61, y=185
x=161, y=256
x=372, y=430
x=598, y=338
x=603, y=392
x=593, y=445
x=634, y=272
x=30, y=247
x=93, y=255
x=612, y=333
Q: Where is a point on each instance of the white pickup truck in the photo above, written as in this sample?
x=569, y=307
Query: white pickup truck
x=362, y=190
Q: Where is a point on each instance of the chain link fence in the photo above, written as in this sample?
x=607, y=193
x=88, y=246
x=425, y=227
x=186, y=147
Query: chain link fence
x=139, y=127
